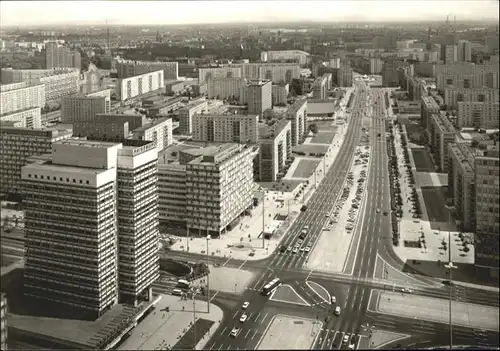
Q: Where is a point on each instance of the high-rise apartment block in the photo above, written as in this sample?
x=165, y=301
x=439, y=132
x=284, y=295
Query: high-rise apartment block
x=484, y=115
x=226, y=128
x=158, y=131
x=127, y=68
x=320, y=88
x=428, y=106
x=452, y=96
x=275, y=72
x=207, y=73
x=92, y=215
x=260, y=96
x=297, y=114
x=227, y=88
x=275, y=150
x=473, y=183
x=467, y=75
x=58, y=56
x=186, y=116
x=280, y=94
x=442, y=132
x=464, y=51
x=84, y=107
x=19, y=144
x=22, y=102
x=449, y=53
x=128, y=88
x=208, y=190
x=298, y=56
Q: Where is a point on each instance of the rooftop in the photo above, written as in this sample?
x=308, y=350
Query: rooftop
x=151, y=124
x=297, y=105
x=430, y=102
x=443, y=123
x=271, y=131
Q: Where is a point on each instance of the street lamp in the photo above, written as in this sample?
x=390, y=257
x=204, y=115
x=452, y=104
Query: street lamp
x=208, y=277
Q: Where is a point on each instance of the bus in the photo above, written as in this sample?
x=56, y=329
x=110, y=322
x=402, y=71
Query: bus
x=183, y=284
x=271, y=286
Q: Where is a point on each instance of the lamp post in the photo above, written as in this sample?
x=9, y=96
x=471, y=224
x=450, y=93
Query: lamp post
x=208, y=277
x=263, y=219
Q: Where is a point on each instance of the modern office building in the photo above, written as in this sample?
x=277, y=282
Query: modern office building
x=186, y=116
x=452, y=96
x=128, y=88
x=84, y=107
x=226, y=128
x=464, y=51
x=484, y=115
x=233, y=88
x=428, y=106
x=208, y=190
x=110, y=250
x=275, y=150
x=280, y=94
x=297, y=114
x=298, y=56
x=17, y=145
x=3, y=321
x=320, y=88
x=260, y=96
x=442, y=132
x=128, y=68
x=59, y=56
x=158, y=131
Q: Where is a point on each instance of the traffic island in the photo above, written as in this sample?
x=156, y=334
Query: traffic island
x=289, y=333
x=380, y=338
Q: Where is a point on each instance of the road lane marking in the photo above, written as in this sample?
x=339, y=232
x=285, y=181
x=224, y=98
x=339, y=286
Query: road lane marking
x=211, y=347
x=241, y=265
x=308, y=283
x=220, y=347
x=248, y=332
x=228, y=259
x=214, y=295
x=264, y=318
x=235, y=313
x=257, y=318
x=253, y=336
x=224, y=331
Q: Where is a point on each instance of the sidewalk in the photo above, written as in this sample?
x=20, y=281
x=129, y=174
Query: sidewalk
x=161, y=330
x=412, y=229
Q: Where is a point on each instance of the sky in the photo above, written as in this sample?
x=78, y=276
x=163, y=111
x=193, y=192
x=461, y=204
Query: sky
x=36, y=13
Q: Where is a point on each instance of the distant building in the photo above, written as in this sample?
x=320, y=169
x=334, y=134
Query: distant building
x=260, y=96
x=429, y=106
x=128, y=69
x=80, y=175
x=226, y=128
x=275, y=150
x=449, y=53
x=186, y=116
x=85, y=107
x=158, y=131
x=467, y=75
x=297, y=114
x=164, y=108
x=484, y=115
x=464, y=51
x=452, y=96
x=228, y=88
x=128, y=88
x=22, y=102
x=206, y=73
x=280, y=94
x=320, y=88
x=58, y=56
x=298, y=56
x=208, y=190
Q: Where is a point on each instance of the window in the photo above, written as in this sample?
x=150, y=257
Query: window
x=87, y=182
x=81, y=181
x=61, y=179
x=36, y=177
x=449, y=81
x=29, y=175
x=466, y=83
x=481, y=98
x=67, y=179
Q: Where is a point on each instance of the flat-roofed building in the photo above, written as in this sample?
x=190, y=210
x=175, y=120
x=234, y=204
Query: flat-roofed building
x=165, y=108
x=233, y=89
x=260, y=96
x=467, y=75
x=275, y=150
x=158, y=131
x=428, y=107
x=464, y=51
x=483, y=115
x=442, y=132
x=60, y=196
x=206, y=73
x=109, y=126
x=452, y=96
x=208, y=189
x=28, y=118
x=128, y=68
x=298, y=56
x=174, y=87
x=226, y=128
x=186, y=116
x=61, y=83
x=297, y=114
x=85, y=107
x=280, y=94
x=320, y=88
x=22, y=102
x=19, y=144
x=128, y=88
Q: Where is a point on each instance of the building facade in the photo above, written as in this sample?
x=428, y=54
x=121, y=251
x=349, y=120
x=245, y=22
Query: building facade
x=298, y=56
x=483, y=115
x=467, y=75
x=227, y=88
x=3, y=321
x=186, y=116
x=280, y=94
x=297, y=114
x=85, y=107
x=226, y=128
x=82, y=221
x=21, y=96
x=128, y=88
x=158, y=131
x=206, y=73
x=275, y=150
x=260, y=96
x=128, y=69
x=109, y=126
x=452, y=96
x=442, y=132
x=58, y=56
x=428, y=107
x=464, y=51
x=320, y=88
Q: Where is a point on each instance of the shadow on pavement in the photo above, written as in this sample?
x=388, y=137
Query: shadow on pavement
x=464, y=272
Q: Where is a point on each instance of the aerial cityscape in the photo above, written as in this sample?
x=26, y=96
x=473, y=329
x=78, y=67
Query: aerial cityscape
x=249, y=175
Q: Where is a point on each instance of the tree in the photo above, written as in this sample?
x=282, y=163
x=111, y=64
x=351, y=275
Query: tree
x=296, y=87
x=313, y=128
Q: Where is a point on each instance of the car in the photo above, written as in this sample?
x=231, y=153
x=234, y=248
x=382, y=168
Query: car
x=333, y=300
x=345, y=339
x=406, y=290
x=234, y=333
x=303, y=208
x=327, y=215
x=288, y=249
x=352, y=342
x=295, y=250
x=307, y=249
x=300, y=241
x=337, y=311
x=243, y=318
x=245, y=305
x=378, y=210
x=283, y=249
